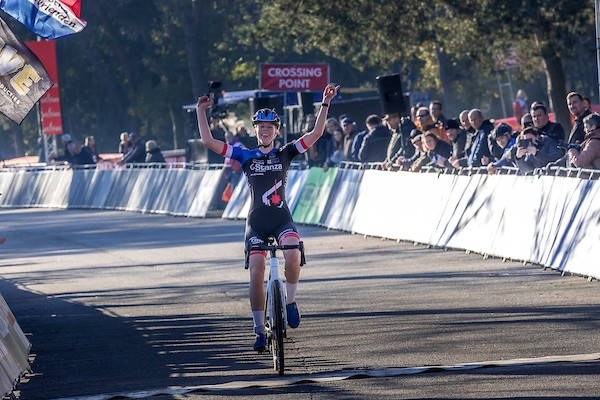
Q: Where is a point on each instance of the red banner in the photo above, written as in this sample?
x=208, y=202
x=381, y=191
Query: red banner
x=45, y=50
x=294, y=77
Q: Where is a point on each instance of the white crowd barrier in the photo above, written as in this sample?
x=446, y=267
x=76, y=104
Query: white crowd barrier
x=14, y=350
x=175, y=191
x=548, y=220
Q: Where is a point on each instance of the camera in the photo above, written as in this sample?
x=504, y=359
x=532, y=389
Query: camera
x=524, y=143
x=568, y=146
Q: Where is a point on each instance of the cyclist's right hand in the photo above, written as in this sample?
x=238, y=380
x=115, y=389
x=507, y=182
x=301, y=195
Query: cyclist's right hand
x=205, y=102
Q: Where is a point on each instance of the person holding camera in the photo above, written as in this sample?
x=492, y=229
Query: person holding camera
x=587, y=155
x=535, y=150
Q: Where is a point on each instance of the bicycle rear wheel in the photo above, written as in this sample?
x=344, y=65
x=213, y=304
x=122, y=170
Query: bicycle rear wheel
x=277, y=329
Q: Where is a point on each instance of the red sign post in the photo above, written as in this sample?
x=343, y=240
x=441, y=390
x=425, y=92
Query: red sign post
x=45, y=50
x=294, y=77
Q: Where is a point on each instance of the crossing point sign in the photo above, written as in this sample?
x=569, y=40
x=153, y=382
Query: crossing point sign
x=294, y=77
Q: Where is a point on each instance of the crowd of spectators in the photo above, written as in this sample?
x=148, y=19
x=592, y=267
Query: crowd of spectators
x=428, y=139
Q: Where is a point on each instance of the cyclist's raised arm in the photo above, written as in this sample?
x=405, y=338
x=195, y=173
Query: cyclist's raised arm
x=209, y=141
x=311, y=137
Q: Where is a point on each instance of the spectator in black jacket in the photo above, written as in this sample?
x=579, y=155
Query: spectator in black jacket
x=576, y=107
x=535, y=150
x=457, y=136
x=350, y=132
x=137, y=152
x=153, y=152
x=374, y=145
x=541, y=121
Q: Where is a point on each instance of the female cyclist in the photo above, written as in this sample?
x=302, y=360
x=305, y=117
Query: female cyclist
x=266, y=171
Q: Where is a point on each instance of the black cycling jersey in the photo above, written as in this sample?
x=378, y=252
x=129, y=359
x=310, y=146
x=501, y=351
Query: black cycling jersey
x=267, y=175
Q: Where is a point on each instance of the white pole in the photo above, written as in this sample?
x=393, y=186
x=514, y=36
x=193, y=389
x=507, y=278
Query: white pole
x=598, y=44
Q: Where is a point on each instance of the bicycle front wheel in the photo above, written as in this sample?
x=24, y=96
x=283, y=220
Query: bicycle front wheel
x=277, y=329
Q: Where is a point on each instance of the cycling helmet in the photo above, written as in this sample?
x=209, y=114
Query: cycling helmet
x=266, y=115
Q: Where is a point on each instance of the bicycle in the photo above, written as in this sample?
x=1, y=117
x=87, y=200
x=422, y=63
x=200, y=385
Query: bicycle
x=275, y=310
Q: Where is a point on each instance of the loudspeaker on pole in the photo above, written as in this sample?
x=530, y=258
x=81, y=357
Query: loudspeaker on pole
x=391, y=95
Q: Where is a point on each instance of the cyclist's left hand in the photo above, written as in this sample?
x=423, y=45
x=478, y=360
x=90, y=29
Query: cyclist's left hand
x=330, y=92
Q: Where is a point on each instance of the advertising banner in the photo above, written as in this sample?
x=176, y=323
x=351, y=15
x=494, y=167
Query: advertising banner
x=45, y=50
x=23, y=79
x=294, y=77
x=49, y=19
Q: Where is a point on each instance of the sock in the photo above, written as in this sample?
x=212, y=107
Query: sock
x=290, y=289
x=259, y=321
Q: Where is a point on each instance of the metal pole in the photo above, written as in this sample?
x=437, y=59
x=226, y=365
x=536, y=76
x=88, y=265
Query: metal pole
x=597, y=9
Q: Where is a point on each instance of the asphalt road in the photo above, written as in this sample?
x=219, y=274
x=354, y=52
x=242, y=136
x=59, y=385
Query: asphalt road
x=120, y=303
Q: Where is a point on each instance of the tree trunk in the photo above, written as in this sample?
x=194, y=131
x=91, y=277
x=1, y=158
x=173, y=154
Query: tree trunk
x=190, y=29
x=446, y=83
x=557, y=87
x=18, y=141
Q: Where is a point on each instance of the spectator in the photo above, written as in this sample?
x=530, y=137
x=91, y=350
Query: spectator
x=457, y=136
x=542, y=122
x=503, y=136
x=576, y=107
x=535, y=150
x=400, y=141
x=124, y=144
x=463, y=117
x=503, y=132
x=350, y=132
x=65, y=140
x=435, y=110
x=90, y=145
x=324, y=146
x=416, y=139
x=338, y=155
x=479, y=150
x=425, y=123
x=137, y=152
x=520, y=104
x=437, y=152
x=153, y=152
x=374, y=145
x=587, y=103
x=309, y=122
x=79, y=155
x=526, y=121
x=241, y=131
x=588, y=156
x=357, y=143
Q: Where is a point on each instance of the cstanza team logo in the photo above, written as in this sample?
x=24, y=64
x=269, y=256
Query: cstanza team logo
x=264, y=168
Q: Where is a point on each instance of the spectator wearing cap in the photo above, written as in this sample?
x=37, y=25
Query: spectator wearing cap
x=457, y=136
x=588, y=156
x=499, y=140
x=504, y=139
x=416, y=139
x=374, y=145
x=137, y=152
x=535, y=150
x=542, y=122
x=350, y=132
x=400, y=129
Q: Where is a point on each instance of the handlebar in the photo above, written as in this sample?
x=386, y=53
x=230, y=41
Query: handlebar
x=271, y=247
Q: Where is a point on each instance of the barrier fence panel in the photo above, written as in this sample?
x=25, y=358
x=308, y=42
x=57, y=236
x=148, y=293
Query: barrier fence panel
x=551, y=220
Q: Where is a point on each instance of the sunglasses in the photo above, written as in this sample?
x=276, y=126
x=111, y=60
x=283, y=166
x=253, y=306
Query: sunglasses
x=422, y=115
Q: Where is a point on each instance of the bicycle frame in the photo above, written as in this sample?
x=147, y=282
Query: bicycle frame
x=275, y=309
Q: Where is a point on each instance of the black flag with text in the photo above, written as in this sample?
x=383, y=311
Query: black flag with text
x=23, y=79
